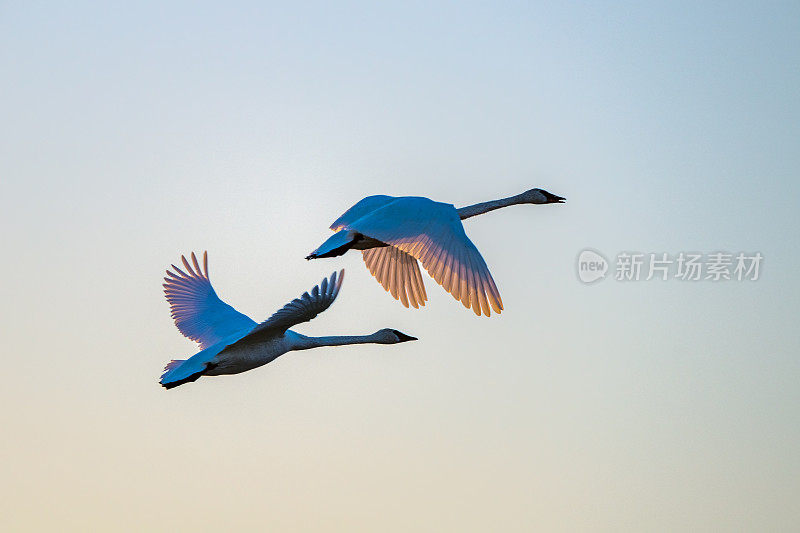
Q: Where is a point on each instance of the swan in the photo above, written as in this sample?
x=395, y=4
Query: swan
x=230, y=342
x=394, y=233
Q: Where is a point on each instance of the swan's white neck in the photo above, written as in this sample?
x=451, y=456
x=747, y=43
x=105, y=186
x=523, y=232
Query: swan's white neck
x=485, y=207
x=301, y=342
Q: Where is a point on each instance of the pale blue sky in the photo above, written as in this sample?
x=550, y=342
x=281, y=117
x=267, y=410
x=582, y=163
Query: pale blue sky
x=135, y=133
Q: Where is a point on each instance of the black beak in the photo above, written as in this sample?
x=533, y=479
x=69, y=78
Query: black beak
x=310, y=256
x=553, y=199
x=403, y=337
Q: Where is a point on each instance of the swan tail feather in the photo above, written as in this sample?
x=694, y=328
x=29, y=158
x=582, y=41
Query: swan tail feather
x=179, y=371
x=336, y=245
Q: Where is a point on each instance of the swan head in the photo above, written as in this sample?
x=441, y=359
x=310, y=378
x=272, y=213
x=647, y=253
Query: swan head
x=392, y=336
x=541, y=196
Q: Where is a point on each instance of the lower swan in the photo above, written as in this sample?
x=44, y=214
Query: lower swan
x=231, y=342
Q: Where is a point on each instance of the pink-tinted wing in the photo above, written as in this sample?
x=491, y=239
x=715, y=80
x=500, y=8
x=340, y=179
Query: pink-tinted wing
x=431, y=232
x=398, y=273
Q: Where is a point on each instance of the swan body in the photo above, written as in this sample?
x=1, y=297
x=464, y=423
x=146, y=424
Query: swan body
x=230, y=342
x=395, y=233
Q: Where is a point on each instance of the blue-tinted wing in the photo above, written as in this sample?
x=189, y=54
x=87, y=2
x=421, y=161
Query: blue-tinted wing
x=299, y=310
x=370, y=203
x=198, y=312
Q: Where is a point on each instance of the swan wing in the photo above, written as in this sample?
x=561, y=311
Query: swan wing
x=197, y=310
x=398, y=273
x=301, y=309
x=431, y=232
x=368, y=204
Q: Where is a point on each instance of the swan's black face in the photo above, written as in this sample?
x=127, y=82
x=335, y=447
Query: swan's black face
x=402, y=337
x=391, y=336
x=552, y=198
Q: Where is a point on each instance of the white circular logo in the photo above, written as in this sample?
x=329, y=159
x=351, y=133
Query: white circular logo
x=591, y=266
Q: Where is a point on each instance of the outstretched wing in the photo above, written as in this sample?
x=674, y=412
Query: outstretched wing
x=432, y=233
x=198, y=312
x=397, y=271
x=300, y=309
x=399, y=274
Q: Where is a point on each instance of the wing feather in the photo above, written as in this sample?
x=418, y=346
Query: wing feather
x=370, y=257
x=474, y=287
x=482, y=290
x=197, y=310
x=390, y=279
x=419, y=285
x=448, y=273
x=408, y=287
x=299, y=310
x=398, y=273
x=400, y=283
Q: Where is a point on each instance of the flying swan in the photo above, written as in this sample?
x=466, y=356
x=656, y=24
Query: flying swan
x=230, y=342
x=394, y=233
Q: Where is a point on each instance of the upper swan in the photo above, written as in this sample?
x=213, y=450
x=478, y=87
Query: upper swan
x=396, y=232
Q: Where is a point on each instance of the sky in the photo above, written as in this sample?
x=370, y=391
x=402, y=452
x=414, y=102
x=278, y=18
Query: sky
x=137, y=132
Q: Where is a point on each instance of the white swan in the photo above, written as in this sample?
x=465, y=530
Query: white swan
x=396, y=232
x=231, y=342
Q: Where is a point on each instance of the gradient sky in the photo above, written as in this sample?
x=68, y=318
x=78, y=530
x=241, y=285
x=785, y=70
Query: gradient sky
x=134, y=133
